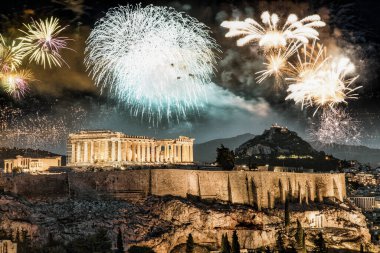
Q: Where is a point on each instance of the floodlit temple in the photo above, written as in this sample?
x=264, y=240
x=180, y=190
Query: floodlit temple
x=107, y=148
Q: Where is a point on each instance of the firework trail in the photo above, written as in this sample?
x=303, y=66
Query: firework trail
x=17, y=83
x=154, y=60
x=336, y=128
x=270, y=35
x=42, y=42
x=321, y=80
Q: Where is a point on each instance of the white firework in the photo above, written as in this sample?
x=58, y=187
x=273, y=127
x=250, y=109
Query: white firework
x=270, y=34
x=154, y=59
x=336, y=127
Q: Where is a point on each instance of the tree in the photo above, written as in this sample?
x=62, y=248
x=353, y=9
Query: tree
x=140, y=249
x=226, y=247
x=119, y=242
x=225, y=158
x=287, y=213
x=190, y=244
x=235, y=248
x=320, y=244
x=280, y=243
x=300, y=237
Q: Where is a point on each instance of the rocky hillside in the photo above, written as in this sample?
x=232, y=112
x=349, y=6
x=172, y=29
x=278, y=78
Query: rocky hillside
x=282, y=147
x=206, y=152
x=164, y=223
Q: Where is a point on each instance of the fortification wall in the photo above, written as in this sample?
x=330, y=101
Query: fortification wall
x=260, y=189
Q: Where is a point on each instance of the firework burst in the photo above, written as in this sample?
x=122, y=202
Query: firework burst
x=154, y=60
x=42, y=42
x=11, y=55
x=16, y=83
x=321, y=80
x=336, y=127
x=277, y=64
x=271, y=35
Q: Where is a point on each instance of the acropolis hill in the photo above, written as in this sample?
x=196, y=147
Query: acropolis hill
x=152, y=191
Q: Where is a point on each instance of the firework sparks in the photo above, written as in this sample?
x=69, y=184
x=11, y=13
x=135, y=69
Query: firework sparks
x=271, y=35
x=321, y=80
x=336, y=127
x=43, y=43
x=277, y=64
x=11, y=55
x=16, y=83
x=153, y=59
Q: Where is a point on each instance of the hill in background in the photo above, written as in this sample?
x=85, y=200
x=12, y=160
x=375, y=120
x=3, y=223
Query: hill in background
x=206, y=152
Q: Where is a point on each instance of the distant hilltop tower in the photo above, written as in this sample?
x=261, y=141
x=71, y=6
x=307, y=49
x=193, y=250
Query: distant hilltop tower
x=107, y=148
x=275, y=128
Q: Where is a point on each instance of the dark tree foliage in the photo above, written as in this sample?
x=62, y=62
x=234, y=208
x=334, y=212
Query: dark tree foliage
x=140, y=249
x=225, y=158
x=119, y=242
x=99, y=242
x=226, y=247
x=190, y=244
x=287, y=213
x=235, y=247
x=320, y=244
x=300, y=237
x=280, y=243
x=268, y=250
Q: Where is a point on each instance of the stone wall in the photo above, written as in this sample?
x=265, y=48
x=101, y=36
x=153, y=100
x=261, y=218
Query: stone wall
x=260, y=189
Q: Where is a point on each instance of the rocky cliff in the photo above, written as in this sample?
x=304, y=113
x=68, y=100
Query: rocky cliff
x=163, y=223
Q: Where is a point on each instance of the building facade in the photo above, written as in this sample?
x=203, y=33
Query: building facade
x=7, y=246
x=31, y=165
x=365, y=203
x=107, y=148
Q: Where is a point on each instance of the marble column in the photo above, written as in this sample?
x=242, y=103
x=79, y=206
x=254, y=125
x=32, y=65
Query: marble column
x=179, y=153
x=133, y=146
x=85, y=152
x=183, y=151
x=143, y=152
x=106, y=155
x=148, y=145
x=174, y=153
x=78, y=159
x=91, y=152
x=191, y=153
x=171, y=153
x=139, y=152
x=113, y=149
x=73, y=154
x=158, y=152
x=119, y=151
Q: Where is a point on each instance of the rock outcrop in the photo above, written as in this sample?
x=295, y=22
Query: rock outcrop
x=165, y=222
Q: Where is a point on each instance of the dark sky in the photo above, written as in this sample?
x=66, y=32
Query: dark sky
x=68, y=97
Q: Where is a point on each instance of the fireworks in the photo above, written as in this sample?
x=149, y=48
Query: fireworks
x=42, y=43
x=16, y=83
x=277, y=64
x=271, y=35
x=321, y=80
x=11, y=55
x=153, y=59
x=336, y=128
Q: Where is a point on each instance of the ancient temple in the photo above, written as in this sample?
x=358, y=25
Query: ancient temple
x=107, y=148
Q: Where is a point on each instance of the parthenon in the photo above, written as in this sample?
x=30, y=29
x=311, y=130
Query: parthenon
x=115, y=148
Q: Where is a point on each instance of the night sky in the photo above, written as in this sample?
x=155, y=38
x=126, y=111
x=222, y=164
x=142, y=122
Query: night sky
x=65, y=99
